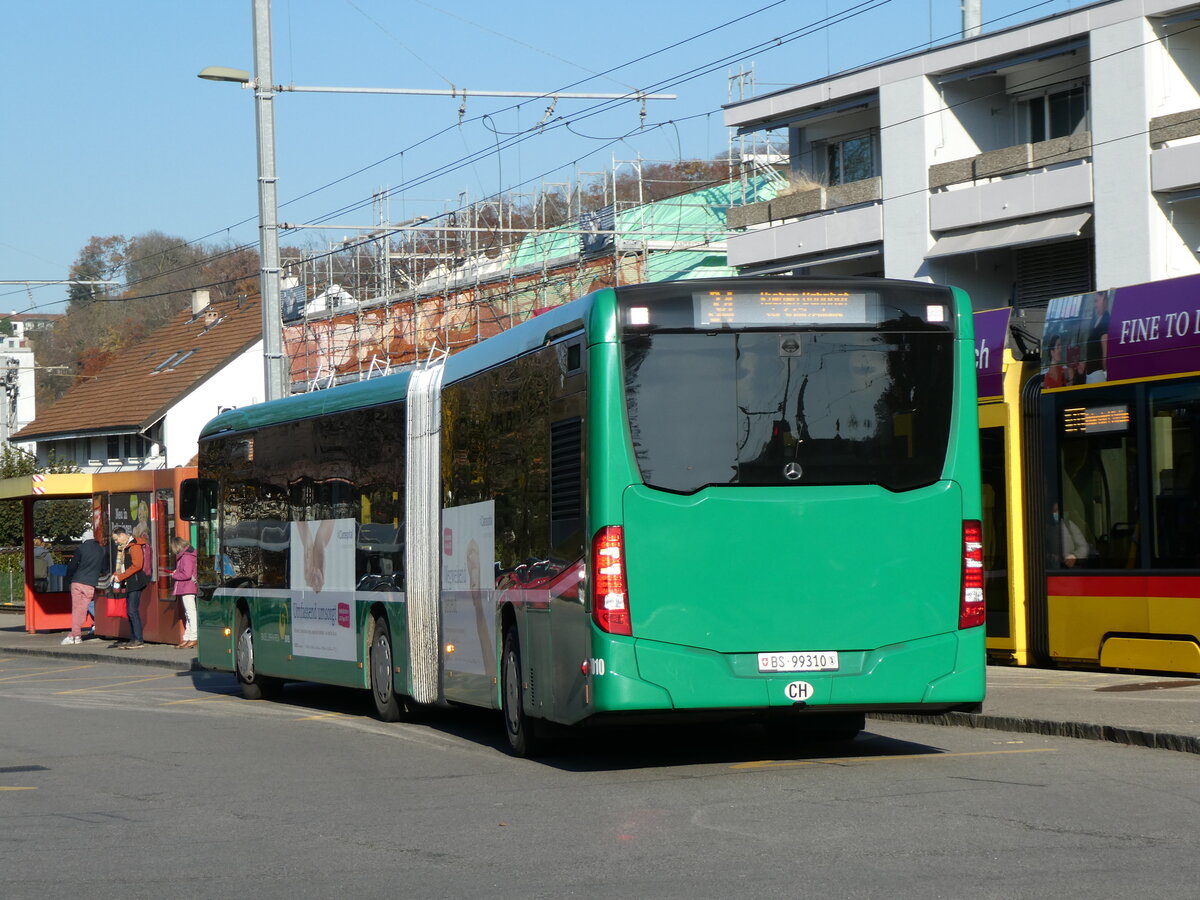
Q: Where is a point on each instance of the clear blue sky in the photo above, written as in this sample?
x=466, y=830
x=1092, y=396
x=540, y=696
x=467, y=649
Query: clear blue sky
x=108, y=131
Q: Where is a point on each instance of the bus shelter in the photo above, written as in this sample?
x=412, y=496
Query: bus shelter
x=142, y=502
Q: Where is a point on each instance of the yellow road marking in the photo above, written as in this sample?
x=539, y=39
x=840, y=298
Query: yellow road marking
x=117, y=684
x=203, y=699
x=332, y=715
x=47, y=672
x=844, y=760
x=3, y=788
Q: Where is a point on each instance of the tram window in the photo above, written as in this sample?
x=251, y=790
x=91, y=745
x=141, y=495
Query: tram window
x=1174, y=441
x=995, y=527
x=1098, y=502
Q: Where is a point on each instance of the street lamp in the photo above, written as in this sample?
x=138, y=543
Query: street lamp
x=276, y=373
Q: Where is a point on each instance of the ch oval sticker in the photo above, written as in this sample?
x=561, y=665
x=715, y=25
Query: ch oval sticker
x=799, y=691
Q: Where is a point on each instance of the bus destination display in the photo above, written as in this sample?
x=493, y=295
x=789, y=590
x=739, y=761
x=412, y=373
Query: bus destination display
x=768, y=306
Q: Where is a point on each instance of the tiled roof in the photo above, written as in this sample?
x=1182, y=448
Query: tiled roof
x=129, y=394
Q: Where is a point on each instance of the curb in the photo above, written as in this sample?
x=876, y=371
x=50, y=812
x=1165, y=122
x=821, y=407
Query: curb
x=1090, y=731
x=185, y=664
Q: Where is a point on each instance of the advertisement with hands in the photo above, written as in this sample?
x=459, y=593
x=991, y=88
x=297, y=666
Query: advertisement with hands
x=468, y=579
x=322, y=580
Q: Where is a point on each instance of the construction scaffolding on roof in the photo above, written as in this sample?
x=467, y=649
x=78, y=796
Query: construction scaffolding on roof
x=396, y=294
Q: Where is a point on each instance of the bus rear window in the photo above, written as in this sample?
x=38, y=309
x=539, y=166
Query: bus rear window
x=779, y=408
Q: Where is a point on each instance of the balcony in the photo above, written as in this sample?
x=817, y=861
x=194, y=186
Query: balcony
x=1175, y=167
x=807, y=223
x=1011, y=183
x=1011, y=160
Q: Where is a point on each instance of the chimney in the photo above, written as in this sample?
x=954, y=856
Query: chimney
x=972, y=18
x=210, y=317
x=199, y=302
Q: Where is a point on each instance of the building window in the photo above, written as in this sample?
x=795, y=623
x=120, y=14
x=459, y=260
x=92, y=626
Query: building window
x=1054, y=114
x=136, y=446
x=851, y=158
x=114, y=446
x=177, y=360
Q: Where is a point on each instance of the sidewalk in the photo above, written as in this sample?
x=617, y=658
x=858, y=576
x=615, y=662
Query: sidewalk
x=14, y=640
x=1143, y=710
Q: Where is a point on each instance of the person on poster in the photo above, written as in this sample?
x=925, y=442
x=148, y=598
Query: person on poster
x=1096, y=361
x=1058, y=373
x=475, y=584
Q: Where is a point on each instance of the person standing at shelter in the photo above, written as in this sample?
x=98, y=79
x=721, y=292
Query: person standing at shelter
x=83, y=571
x=184, y=587
x=131, y=553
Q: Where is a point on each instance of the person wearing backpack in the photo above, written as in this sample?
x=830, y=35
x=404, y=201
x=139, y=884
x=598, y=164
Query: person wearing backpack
x=130, y=575
x=184, y=588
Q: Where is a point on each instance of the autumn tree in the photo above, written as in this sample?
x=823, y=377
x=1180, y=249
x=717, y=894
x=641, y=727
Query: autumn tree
x=157, y=273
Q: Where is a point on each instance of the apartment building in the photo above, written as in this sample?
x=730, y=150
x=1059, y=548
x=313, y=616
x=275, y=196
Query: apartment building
x=1047, y=159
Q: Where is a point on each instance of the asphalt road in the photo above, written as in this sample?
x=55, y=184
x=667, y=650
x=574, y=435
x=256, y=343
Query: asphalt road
x=127, y=782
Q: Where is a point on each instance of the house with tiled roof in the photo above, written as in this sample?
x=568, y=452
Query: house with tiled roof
x=23, y=323
x=145, y=410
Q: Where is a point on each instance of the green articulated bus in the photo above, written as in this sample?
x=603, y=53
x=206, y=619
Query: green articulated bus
x=720, y=498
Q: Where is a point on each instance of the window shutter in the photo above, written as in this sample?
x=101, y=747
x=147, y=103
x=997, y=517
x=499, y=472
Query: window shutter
x=1053, y=270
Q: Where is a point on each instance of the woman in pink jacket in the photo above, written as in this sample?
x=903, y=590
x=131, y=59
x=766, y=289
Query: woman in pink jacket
x=185, y=588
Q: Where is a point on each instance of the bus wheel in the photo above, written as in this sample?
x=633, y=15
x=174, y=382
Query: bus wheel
x=254, y=686
x=520, y=728
x=388, y=706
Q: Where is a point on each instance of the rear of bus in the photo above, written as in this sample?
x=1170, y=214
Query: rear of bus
x=784, y=498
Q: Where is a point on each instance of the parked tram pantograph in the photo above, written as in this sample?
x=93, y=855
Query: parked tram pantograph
x=558, y=523
x=1089, y=480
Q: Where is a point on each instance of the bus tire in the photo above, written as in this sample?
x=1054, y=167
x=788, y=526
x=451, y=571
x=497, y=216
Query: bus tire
x=388, y=705
x=254, y=686
x=520, y=729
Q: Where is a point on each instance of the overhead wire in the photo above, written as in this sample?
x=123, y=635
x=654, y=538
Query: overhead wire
x=442, y=131
x=520, y=136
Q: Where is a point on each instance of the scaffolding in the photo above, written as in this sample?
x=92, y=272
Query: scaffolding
x=390, y=295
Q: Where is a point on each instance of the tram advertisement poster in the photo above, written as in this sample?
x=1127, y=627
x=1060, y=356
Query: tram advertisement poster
x=322, y=563
x=132, y=512
x=991, y=329
x=1140, y=331
x=468, y=579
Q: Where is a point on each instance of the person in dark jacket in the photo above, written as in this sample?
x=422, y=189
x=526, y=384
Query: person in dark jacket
x=83, y=571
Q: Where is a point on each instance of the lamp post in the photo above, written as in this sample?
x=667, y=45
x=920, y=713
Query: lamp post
x=276, y=373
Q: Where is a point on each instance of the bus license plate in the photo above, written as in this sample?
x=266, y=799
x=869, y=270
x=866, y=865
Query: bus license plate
x=808, y=661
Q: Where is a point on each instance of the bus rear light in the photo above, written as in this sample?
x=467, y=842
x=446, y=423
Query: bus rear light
x=972, y=610
x=610, y=601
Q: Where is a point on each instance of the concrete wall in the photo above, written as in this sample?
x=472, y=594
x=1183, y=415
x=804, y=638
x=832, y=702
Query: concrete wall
x=907, y=133
x=975, y=118
x=1130, y=228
